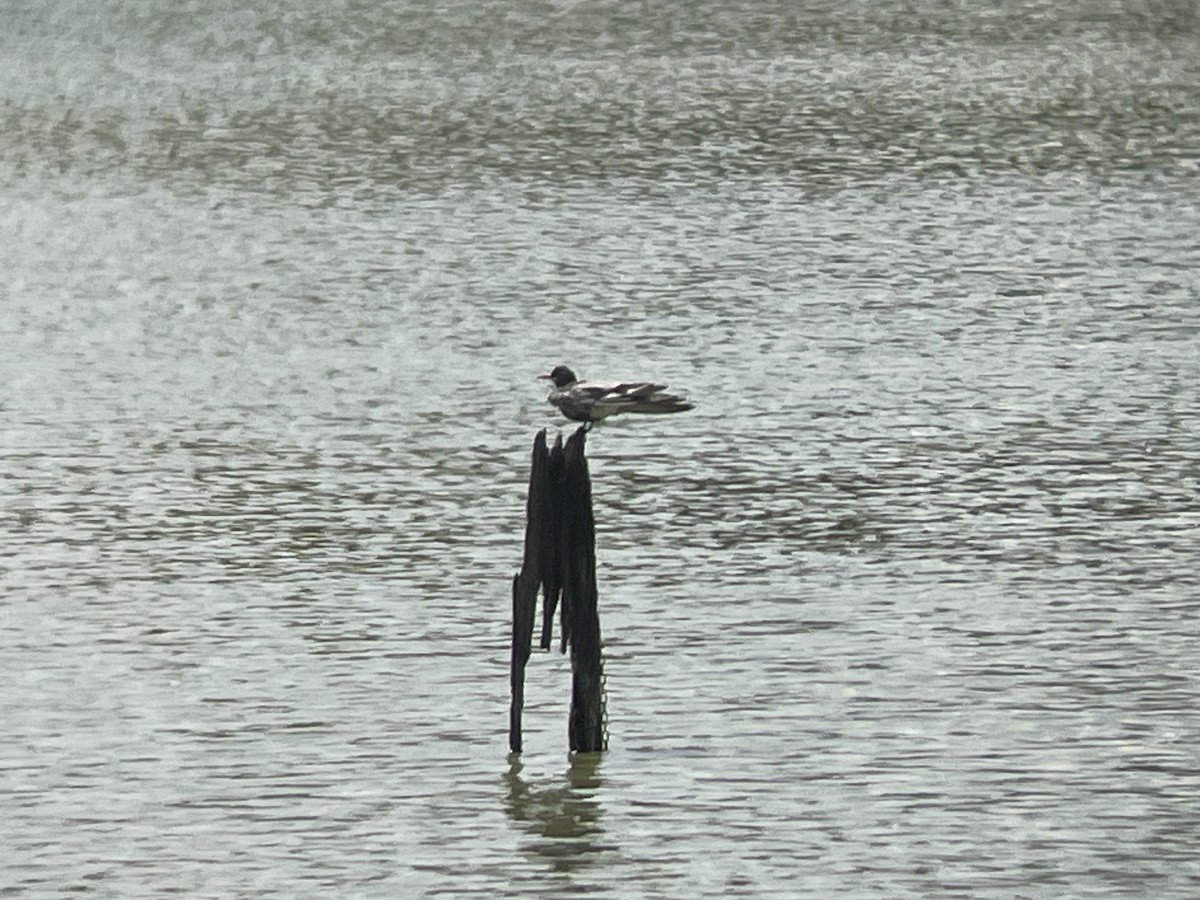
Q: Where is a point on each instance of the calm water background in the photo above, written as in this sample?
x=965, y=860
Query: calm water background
x=909, y=605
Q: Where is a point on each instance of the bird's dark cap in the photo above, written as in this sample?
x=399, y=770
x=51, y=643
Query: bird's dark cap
x=561, y=376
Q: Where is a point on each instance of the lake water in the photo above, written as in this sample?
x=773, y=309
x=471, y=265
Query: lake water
x=907, y=607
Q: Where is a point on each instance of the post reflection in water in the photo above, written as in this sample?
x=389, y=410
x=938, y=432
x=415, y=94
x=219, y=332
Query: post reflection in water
x=563, y=816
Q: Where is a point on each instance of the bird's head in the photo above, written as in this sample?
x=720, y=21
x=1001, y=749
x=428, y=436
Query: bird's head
x=561, y=376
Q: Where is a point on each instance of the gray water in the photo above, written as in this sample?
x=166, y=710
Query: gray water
x=908, y=607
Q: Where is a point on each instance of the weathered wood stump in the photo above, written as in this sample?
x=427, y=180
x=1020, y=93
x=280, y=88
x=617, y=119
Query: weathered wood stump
x=560, y=558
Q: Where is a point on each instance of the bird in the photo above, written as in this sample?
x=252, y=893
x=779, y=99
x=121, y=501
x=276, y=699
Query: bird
x=584, y=401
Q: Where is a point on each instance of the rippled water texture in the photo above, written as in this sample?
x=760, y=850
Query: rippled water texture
x=906, y=608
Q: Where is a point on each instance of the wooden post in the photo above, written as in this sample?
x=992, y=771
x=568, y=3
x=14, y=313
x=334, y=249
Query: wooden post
x=525, y=585
x=560, y=557
x=580, y=616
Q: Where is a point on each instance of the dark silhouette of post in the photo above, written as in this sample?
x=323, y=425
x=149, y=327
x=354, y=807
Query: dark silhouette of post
x=560, y=558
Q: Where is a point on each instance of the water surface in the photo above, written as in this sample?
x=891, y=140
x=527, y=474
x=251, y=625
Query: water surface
x=906, y=607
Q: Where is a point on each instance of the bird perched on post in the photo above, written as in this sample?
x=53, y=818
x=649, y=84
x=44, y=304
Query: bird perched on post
x=584, y=401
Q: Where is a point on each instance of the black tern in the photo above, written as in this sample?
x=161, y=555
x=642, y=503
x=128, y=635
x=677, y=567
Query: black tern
x=584, y=401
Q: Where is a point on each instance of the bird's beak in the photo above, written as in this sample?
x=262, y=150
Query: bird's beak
x=543, y=376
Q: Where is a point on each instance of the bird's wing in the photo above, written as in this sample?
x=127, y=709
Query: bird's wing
x=630, y=391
